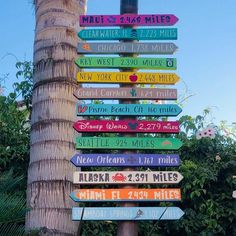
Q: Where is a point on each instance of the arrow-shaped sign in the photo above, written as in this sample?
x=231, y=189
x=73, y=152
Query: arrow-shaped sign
x=151, y=160
x=127, y=62
x=126, y=93
x=128, y=143
x=128, y=126
x=126, y=213
x=127, y=177
x=127, y=77
x=128, y=109
x=138, y=48
x=128, y=20
x=121, y=195
x=129, y=33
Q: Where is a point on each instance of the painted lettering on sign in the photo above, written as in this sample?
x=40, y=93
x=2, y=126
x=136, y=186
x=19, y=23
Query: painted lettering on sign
x=127, y=143
x=140, y=48
x=127, y=177
x=101, y=159
x=126, y=213
x=127, y=77
x=124, y=93
x=162, y=194
x=127, y=126
x=127, y=62
x=129, y=33
x=128, y=19
x=128, y=109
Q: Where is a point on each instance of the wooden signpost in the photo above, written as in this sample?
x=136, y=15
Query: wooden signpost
x=126, y=213
x=127, y=143
x=127, y=177
x=140, y=48
x=127, y=77
x=103, y=159
x=128, y=126
x=121, y=195
x=127, y=62
x=126, y=93
x=129, y=33
x=128, y=109
x=128, y=20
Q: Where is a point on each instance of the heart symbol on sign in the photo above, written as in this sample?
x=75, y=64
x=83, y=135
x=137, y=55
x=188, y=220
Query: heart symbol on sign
x=82, y=109
x=133, y=126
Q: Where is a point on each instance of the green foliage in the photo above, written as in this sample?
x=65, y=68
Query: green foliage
x=14, y=123
x=12, y=205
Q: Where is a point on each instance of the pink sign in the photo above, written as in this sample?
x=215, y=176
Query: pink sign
x=128, y=19
x=127, y=126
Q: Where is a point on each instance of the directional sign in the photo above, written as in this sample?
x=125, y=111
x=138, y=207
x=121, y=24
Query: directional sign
x=139, y=48
x=129, y=33
x=128, y=109
x=127, y=143
x=118, y=195
x=127, y=177
x=81, y=160
x=127, y=77
x=124, y=93
x=128, y=126
x=128, y=20
x=127, y=62
x=126, y=213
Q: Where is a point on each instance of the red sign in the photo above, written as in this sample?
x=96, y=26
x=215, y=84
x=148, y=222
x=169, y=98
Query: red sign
x=127, y=126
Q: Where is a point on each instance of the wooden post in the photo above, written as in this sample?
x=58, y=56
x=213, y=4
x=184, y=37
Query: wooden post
x=128, y=228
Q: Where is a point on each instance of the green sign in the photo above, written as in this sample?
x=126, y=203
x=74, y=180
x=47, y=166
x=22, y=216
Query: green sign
x=129, y=33
x=127, y=62
x=127, y=143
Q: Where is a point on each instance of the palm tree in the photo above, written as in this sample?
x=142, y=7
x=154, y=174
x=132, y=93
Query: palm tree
x=53, y=113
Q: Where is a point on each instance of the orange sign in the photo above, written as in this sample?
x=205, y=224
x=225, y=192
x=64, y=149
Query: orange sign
x=165, y=194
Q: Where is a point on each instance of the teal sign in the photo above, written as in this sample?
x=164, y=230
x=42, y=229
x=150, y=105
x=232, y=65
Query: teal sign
x=126, y=213
x=129, y=33
x=128, y=109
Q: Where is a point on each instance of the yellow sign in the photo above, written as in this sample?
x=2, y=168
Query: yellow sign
x=127, y=77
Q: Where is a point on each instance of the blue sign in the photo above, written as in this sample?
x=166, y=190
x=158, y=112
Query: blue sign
x=82, y=160
x=128, y=109
x=126, y=213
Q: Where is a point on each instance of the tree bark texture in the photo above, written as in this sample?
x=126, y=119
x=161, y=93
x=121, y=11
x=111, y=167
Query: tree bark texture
x=50, y=172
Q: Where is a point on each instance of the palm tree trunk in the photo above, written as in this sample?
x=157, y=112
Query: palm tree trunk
x=53, y=113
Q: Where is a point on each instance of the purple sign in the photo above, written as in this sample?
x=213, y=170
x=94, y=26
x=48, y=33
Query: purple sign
x=128, y=19
x=125, y=160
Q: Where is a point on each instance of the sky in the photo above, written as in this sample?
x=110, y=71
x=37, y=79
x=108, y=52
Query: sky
x=205, y=58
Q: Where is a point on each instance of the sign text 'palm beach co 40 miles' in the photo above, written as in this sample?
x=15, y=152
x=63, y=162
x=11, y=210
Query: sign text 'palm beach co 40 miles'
x=128, y=20
x=127, y=177
x=127, y=62
x=128, y=126
x=140, y=48
x=103, y=159
x=128, y=109
x=127, y=77
x=161, y=194
x=126, y=213
x=124, y=93
x=128, y=33
x=127, y=143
